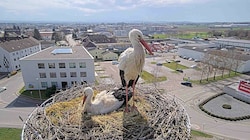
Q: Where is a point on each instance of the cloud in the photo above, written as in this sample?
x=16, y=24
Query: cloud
x=85, y=6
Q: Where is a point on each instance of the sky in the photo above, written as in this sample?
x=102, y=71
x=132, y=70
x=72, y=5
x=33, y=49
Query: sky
x=125, y=10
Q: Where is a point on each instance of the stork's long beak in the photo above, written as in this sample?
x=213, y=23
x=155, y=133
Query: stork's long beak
x=145, y=44
x=84, y=99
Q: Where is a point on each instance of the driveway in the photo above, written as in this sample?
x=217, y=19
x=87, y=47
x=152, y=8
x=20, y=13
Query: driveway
x=12, y=105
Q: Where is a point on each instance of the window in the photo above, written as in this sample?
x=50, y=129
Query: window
x=83, y=74
x=72, y=65
x=54, y=84
x=82, y=65
x=52, y=75
x=41, y=65
x=52, y=65
x=62, y=65
x=72, y=74
x=42, y=75
x=63, y=74
x=44, y=84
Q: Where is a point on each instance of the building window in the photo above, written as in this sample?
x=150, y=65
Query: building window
x=83, y=74
x=51, y=65
x=63, y=74
x=42, y=75
x=72, y=65
x=52, y=75
x=41, y=66
x=62, y=65
x=44, y=84
x=82, y=65
x=72, y=74
x=54, y=84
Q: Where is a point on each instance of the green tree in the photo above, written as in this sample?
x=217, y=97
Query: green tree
x=56, y=36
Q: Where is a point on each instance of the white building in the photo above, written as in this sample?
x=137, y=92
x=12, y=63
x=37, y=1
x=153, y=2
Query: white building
x=13, y=50
x=242, y=61
x=108, y=55
x=59, y=66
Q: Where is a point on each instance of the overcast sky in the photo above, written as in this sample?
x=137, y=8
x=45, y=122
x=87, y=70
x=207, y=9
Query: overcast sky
x=125, y=10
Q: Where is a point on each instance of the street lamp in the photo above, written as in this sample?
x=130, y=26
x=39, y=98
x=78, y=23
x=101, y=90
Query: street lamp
x=39, y=88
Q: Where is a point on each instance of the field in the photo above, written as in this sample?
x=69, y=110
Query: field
x=10, y=133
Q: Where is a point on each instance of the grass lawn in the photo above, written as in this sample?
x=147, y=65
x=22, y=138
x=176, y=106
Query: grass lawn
x=10, y=133
x=34, y=94
x=173, y=65
x=195, y=133
x=149, y=78
x=217, y=78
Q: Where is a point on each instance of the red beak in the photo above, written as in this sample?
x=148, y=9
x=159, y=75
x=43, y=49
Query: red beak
x=83, y=100
x=145, y=44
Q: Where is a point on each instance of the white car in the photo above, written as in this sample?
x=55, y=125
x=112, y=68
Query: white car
x=2, y=89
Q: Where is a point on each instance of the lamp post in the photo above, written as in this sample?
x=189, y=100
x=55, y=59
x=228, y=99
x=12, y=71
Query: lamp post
x=39, y=88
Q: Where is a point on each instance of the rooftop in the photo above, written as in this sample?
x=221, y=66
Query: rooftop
x=76, y=52
x=19, y=44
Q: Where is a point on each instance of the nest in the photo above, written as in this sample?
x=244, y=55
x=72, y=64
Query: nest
x=61, y=117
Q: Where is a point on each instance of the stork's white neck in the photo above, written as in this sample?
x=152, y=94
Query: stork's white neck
x=139, y=55
x=138, y=48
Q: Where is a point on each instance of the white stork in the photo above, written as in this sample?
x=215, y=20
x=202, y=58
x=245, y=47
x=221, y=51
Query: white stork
x=131, y=62
x=104, y=102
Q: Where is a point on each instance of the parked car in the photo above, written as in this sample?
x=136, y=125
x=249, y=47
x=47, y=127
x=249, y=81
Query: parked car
x=2, y=89
x=158, y=64
x=180, y=70
x=187, y=83
x=177, y=61
x=196, y=60
x=168, y=61
x=193, y=66
x=115, y=62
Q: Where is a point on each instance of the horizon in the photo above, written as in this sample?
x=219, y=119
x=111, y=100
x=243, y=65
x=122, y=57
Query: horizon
x=128, y=11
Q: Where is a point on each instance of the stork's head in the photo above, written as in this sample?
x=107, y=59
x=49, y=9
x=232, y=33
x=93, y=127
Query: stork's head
x=136, y=35
x=86, y=92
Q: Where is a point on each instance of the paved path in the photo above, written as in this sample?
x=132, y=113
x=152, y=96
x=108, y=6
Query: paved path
x=12, y=105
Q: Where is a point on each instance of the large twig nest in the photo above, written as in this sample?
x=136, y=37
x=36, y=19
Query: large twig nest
x=158, y=117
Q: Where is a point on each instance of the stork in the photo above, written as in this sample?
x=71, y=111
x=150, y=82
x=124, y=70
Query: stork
x=104, y=102
x=131, y=62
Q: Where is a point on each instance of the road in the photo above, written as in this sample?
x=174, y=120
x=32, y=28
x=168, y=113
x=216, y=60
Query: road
x=12, y=105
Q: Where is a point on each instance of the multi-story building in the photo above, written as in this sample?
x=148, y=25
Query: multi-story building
x=13, y=50
x=59, y=66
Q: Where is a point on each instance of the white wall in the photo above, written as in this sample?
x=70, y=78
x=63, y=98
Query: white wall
x=30, y=72
x=190, y=53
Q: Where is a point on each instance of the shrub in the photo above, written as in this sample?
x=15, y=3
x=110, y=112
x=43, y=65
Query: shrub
x=226, y=106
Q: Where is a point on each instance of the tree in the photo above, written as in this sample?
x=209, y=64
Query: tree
x=74, y=35
x=37, y=34
x=57, y=36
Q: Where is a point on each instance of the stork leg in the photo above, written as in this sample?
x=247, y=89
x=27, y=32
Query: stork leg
x=133, y=87
x=126, y=90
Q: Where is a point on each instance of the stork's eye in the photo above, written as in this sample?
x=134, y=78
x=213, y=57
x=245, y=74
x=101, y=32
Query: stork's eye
x=139, y=36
